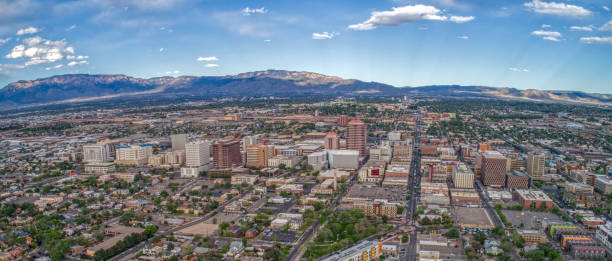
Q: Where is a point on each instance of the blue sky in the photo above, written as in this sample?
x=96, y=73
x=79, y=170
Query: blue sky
x=526, y=44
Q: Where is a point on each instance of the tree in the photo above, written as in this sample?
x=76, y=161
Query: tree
x=150, y=230
x=404, y=238
x=452, y=233
x=480, y=237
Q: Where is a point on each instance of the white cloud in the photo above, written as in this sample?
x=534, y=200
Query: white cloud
x=322, y=36
x=461, y=19
x=553, y=8
x=207, y=59
x=210, y=65
x=29, y=30
x=546, y=26
x=406, y=14
x=606, y=8
x=75, y=63
x=249, y=11
x=607, y=26
x=3, y=41
x=37, y=50
x=162, y=49
x=581, y=28
x=464, y=37
x=514, y=69
x=54, y=67
x=173, y=72
x=267, y=40
x=547, y=35
x=77, y=57
x=597, y=40
x=72, y=27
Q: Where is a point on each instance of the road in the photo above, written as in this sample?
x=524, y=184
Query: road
x=415, y=186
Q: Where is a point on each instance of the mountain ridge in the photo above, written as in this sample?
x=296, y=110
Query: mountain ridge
x=84, y=87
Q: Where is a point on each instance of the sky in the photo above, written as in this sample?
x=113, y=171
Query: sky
x=525, y=44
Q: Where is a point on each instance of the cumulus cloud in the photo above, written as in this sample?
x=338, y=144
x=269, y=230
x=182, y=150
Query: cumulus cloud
x=407, y=14
x=72, y=27
x=322, y=36
x=210, y=65
x=464, y=37
x=514, y=69
x=173, y=72
x=607, y=26
x=597, y=40
x=553, y=8
x=249, y=11
x=75, y=63
x=77, y=57
x=162, y=49
x=267, y=40
x=207, y=59
x=461, y=19
x=547, y=35
x=546, y=26
x=581, y=28
x=37, y=50
x=606, y=8
x=29, y=30
x=54, y=67
x=3, y=41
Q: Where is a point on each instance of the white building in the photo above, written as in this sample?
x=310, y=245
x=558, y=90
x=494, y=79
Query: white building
x=95, y=153
x=289, y=162
x=604, y=184
x=463, y=177
x=343, y=159
x=133, y=155
x=178, y=141
x=536, y=164
x=197, y=153
x=318, y=160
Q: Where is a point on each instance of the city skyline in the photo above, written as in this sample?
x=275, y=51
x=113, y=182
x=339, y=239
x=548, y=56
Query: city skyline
x=547, y=45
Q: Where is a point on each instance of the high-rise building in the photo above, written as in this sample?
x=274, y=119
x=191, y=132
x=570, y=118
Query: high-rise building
x=178, y=141
x=197, y=153
x=332, y=142
x=226, y=154
x=133, y=155
x=95, y=153
x=536, y=164
x=493, y=168
x=342, y=120
x=356, y=136
x=249, y=141
x=258, y=155
x=463, y=177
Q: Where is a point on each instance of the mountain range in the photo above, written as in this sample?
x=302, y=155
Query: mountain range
x=85, y=87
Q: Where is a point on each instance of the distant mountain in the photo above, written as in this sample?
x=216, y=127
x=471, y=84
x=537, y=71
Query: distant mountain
x=85, y=87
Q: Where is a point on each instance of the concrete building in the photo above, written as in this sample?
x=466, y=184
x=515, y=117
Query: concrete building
x=342, y=120
x=318, y=160
x=363, y=251
x=249, y=141
x=463, y=177
x=133, y=155
x=578, y=188
x=603, y=183
x=377, y=208
x=332, y=142
x=603, y=234
x=178, y=141
x=197, y=153
x=533, y=236
x=536, y=165
x=493, y=169
x=100, y=167
x=95, y=153
x=373, y=171
x=356, y=135
x=226, y=154
x=248, y=179
x=258, y=155
x=343, y=159
x=289, y=162
x=517, y=180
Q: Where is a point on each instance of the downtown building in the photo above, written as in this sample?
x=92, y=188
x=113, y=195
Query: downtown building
x=133, y=155
x=463, y=177
x=536, y=165
x=493, y=169
x=197, y=154
x=332, y=142
x=258, y=155
x=356, y=134
x=226, y=154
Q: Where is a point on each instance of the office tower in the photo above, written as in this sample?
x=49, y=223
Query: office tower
x=133, y=155
x=332, y=142
x=494, y=168
x=178, y=141
x=226, y=154
x=535, y=165
x=342, y=120
x=95, y=153
x=394, y=135
x=258, y=155
x=356, y=136
x=462, y=176
x=249, y=141
x=197, y=153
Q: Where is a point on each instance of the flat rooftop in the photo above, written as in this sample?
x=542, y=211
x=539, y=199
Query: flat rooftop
x=474, y=216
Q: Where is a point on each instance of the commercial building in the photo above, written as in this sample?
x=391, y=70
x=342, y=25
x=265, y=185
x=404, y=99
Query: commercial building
x=603, y=234
x=356, y=134
x=463, y=177
x=326, y=187
x=493, y=169
x=318, y=160
x=517, y=180
x=332, y=142
x=533, y=236
x=536, y=164
x=258, y=155
x=343, y=159
x=178, y=141
x=168, y=159
x=197, y=153
x=578, y=188
x=377, y=208
x=289, y=162
x=226, y=154
x=533, y=198
x=248, y=179
x=95, y=153
x=100, y=167
x=434, y=188
x=603, y=183
x=363, y=251
x=133, y=155
x=342, y=120
x=373, y=171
